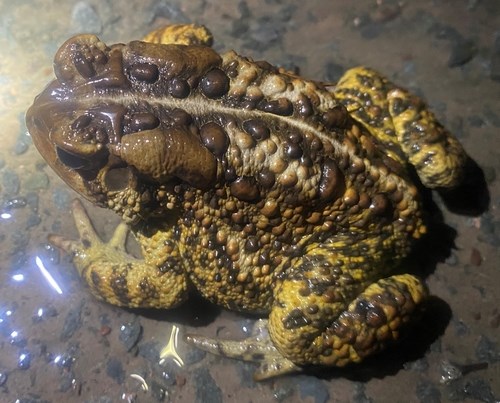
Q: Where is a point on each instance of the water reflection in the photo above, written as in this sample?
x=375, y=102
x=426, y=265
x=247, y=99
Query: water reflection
x=46, y=274
x=170, y=350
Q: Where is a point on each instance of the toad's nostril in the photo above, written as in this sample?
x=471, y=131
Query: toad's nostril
x=83, y=65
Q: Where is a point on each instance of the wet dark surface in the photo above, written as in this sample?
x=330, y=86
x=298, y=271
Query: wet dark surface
x=57, y=343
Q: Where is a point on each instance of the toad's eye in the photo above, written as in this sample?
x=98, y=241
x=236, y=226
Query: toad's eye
x=71, y=160
x=81, y=164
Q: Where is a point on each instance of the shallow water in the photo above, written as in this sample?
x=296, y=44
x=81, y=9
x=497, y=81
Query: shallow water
x=57, y=343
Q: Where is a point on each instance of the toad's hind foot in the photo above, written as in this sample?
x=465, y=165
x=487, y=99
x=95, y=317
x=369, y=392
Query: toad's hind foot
x=181, y=34
x=258, y=348
x=117, y=277
x=396, y=117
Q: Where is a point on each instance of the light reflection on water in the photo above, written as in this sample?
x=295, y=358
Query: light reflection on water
x=46, y=274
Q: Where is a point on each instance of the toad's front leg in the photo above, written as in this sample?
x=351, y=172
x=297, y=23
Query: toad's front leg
x=157, y=281
x=325, y=316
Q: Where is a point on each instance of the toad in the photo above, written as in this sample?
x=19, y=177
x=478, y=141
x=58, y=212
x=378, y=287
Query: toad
x=266, y=192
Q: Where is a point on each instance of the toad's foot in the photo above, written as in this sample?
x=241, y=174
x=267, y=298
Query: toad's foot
x=117, y=277
x=257, y=348
x=396, y=117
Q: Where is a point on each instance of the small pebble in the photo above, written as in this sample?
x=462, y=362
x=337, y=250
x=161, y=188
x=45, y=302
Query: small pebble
x=24, y=360
x=130, y=334
x=310, y=386
x=84, y=18
x=72, y=322
x=475, y=121
x=495, y=59
x=475, y=257
x=494, y=320
x=105, y=330
x=150, y=351
x=61, y=198
x=428, y=392
x=22, y=143
x=461, y=328
x=478, y=390
x=10, y=183
x=492, y=117
x=36, y=181
x=420, y=365
x=158, y=392
x=462, y=52
x=43, y=313
x=486, y=350
x=3, y=378
x=194, y=355
x=359, y=395
x=282, y=393
x=114, y=369
x=207, y=390
x=180, y=380
x=33, y=221
x=333, y=72
x=452, y=260
x=168, y=11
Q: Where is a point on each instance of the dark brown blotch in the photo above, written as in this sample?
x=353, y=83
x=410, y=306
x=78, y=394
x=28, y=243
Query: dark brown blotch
x=230, y=174
x=214, y=138
x=252, y=244
x=380, y=204
x=256, y=128
x=83, y=65
x=316, y=144
x=376, y=317
x=215, y=84
x=266, y=66
x=336, y=117
x=178, y=88
x=143, y=121
x=357, y=166
x=266, y=179
x=245, y=189
x=295, y=319
x=180, y=117
x=295, y=137
x=95, y=278
x=118, y=283
x=332, y=182
x=293, y=151
x=145, y=72
x=280, y=106
x=304, y=106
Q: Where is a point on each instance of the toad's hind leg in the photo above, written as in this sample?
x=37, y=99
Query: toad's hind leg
x=158, y=281
x=331, y=316
x=397, y=117
x=180, y=34
x=325, y=315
